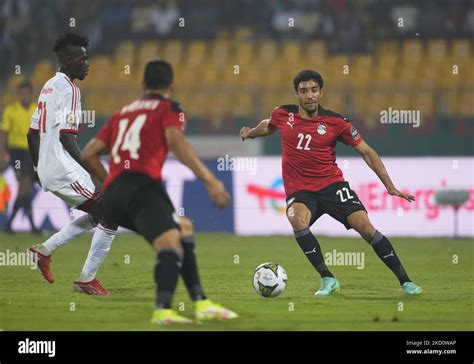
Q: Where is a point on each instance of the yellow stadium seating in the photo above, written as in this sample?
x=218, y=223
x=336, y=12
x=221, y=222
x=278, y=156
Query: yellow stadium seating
x=244, y=77
x=125, y=52
x=44, y=70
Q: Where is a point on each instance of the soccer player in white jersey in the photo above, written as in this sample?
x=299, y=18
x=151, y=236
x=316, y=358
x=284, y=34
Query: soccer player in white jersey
x=58, y=165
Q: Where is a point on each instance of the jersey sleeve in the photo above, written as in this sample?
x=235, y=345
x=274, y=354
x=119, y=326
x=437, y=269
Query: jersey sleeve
x=34, y=123
x=349, y=134
x=175, y=115
x=6, y=122
x=275, y=118
x=105, y=133
x=68, y=115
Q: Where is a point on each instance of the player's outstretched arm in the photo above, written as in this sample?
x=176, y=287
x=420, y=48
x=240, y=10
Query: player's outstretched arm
x=261, y=130
x=33, y=146
x=187, y=155
x=373, y=160
x=91, y=158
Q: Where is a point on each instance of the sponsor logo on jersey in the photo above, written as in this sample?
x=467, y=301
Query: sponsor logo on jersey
x=47, y=90
x=321, y=129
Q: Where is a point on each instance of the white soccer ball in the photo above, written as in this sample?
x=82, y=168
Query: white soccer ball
x=269, y=279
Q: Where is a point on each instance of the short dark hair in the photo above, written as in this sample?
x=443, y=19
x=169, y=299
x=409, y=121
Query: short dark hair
x=158, y=74
x=70, y=39
x=307, y=75
x=25, y=84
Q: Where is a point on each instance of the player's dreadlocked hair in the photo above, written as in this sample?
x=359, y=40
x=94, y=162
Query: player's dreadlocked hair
x=70, y=39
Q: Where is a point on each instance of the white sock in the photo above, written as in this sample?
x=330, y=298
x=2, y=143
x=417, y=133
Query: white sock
x=100, y=246
x=81, y=225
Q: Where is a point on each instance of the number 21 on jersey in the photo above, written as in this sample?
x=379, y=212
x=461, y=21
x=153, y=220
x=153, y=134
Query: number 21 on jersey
x=129, y=141
x=42, y=117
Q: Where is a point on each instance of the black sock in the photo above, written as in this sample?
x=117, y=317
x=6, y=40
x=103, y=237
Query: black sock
x=168, y=266
x=189, y=272
x=310, y=246
x=28, y=211
x=385, y=251
x=16, y=208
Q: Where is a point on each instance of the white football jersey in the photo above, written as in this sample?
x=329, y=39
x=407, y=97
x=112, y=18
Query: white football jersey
x=59, y=111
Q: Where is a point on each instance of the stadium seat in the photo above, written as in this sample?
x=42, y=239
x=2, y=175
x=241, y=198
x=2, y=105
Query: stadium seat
x=461, y=51
x=147, y=51
x=360, y=71
x=173, y=51
x=196, y=53
x=412, y=52
x=242, y=104
x=315, y=51
x=437, y=50
x=43, y=71
x=125, y=52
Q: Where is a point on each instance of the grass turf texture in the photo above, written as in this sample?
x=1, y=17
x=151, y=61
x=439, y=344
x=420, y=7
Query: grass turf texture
x=370, y=299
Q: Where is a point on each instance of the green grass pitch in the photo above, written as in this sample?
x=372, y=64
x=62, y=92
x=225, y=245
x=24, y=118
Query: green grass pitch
x=370, y=298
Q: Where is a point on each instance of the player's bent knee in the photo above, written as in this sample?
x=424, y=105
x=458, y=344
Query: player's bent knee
x=170, y=239
x=298, y=216
x=186, y=226
x=108, y=224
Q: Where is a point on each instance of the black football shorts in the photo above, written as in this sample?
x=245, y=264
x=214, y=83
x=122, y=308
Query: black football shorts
x=140, y=203
x=337, y=200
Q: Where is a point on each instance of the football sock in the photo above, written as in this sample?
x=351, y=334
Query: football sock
x=100, y=247
x=16, y=208
x=310, y=246
x=167, y=269
x=28, y=212
x=189, y=272
x=66, y=234
x=384, y=249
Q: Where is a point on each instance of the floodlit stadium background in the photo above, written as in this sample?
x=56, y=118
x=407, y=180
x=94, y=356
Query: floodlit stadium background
x=234, y=62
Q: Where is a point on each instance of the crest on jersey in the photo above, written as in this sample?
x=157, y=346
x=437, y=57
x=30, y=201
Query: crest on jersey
x=321, y=129
x=70, y=119
x=355, y=133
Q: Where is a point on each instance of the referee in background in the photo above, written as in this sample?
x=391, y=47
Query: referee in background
x=14, y=148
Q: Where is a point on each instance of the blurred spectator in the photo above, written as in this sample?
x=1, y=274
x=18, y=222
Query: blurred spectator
x=13, y=128
x=286, y=18
x=405, y=17
x=433, y=20
x=164, y=17
x=469, y=22
x=344, y=25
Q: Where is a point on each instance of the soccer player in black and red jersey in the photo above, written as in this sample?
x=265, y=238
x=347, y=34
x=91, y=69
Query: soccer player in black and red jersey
x=314, y=184
x=138, y=138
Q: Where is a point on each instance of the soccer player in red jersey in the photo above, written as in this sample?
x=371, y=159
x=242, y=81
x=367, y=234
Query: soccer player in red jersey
x=314, y=184
x=138, y=138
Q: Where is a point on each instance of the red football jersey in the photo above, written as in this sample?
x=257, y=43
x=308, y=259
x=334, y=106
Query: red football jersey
x=309, y=147
x=135, y=136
